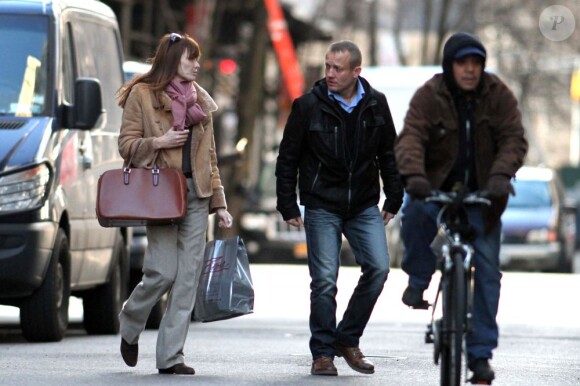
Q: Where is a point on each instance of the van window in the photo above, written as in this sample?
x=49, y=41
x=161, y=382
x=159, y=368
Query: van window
x=97, y=55
x=23, y=65
x=68, y=74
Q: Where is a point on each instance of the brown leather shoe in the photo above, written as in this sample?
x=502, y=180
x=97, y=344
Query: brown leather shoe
x=129, y=352
x=179, y=369
x=355, y=359
x=323, y=366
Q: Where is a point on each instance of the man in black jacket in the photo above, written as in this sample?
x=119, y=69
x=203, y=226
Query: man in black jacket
x=338, y=138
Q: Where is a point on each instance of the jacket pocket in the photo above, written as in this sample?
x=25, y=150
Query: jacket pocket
x=325, y=138
x=440, y=133
x=376, y=121
x=370, y=135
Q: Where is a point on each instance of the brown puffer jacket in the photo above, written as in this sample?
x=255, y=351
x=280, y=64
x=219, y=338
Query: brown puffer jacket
x=428, y=143
x=147, y=115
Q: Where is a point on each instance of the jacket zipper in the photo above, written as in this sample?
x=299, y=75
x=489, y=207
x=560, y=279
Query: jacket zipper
x=468, y=150
x=316, y=176
x=336, y=141
x=349, y=189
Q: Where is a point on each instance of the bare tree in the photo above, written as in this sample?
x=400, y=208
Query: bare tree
x=539, y=70
x=433, y=24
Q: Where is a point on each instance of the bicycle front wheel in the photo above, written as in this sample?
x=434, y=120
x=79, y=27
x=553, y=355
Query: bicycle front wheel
x=453, y=324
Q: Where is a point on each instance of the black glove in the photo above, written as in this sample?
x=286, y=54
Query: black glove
x=499, y=185
x=418, y=187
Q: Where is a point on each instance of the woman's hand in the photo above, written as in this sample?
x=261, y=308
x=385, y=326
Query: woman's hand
x=172, y=138
x=225, y=218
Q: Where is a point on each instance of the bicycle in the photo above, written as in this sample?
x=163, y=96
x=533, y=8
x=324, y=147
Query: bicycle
x=456, y=284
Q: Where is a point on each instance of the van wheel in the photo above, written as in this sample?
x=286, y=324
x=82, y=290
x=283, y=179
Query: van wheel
x=101, y=306
x=44, y=316
x=565, y=260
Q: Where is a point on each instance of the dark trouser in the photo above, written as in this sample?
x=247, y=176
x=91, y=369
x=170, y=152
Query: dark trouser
x=419, y=262
x=366, y=235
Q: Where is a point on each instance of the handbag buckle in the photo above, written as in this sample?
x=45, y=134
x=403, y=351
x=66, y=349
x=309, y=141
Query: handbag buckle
x=155, y=172
x=126, y=172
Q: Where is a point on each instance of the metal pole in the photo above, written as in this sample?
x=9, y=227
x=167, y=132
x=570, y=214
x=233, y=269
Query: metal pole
x=373, y=8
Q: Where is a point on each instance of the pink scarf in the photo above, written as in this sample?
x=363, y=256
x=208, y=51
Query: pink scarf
x=186, y=111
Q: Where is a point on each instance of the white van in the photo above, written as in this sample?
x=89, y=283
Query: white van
x=59, y=123
x=399, y=84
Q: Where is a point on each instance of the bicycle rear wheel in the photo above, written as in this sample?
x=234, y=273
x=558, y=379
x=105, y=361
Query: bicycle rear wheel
x=453, y=324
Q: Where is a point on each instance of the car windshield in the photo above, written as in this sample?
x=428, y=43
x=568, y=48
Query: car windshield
x=23, y=65
x=530, y=193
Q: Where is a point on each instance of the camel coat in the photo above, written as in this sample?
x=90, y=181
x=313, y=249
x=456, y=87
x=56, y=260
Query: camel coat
x=147, y=115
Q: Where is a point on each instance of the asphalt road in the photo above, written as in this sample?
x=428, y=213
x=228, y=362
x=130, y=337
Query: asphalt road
x=539, y=344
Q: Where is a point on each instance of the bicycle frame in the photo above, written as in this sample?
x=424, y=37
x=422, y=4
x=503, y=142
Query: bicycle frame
x=456, y=286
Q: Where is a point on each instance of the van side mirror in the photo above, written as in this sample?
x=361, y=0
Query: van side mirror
x=88, y=109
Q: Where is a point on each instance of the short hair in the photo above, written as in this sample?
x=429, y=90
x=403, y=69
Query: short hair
x=351, y=48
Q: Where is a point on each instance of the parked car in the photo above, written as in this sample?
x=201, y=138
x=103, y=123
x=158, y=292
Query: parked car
x=395, y=242
x=268, y=238
x=59, y=123
x=539, y=224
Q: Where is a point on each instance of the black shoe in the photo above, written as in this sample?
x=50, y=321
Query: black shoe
x=129, y=352
x=179, y=369
x=482, y=372
x=413, y=298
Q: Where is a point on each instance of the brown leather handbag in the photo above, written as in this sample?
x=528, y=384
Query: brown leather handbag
x=139, y=196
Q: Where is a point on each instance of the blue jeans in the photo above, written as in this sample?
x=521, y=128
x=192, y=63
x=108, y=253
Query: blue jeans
x=419, y=262
x=365, y=233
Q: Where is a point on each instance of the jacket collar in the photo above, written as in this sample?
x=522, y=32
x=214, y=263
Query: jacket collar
x=320, y=89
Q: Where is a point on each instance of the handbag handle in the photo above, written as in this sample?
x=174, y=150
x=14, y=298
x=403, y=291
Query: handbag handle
x=127, y=168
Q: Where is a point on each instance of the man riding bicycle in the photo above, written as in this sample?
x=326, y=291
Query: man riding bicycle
x=463, y=130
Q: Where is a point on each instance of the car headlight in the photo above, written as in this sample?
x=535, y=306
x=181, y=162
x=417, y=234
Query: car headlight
x=24, y=190
x=543, y=235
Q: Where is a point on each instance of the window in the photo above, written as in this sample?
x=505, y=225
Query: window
x=68, y=74
x=23, y=65
x=530, y=193
x=98, y=55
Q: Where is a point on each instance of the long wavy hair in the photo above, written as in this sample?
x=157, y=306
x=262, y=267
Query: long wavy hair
x=164, y=64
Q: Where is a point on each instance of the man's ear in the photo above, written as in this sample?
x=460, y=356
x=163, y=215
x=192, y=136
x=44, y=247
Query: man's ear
x=357, y=70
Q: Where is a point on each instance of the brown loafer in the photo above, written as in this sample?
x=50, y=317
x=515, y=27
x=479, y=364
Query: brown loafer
x=179, y=369
x=129, y=352
x=323, y=366
x=355, y=359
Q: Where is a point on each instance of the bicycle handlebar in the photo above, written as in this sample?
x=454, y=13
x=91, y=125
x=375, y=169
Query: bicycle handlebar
x=474, y=198
x=452, y=214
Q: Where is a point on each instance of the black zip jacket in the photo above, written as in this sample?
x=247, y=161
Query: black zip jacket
x=313, y=152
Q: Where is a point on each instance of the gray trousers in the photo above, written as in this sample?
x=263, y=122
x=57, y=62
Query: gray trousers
x=173, y=260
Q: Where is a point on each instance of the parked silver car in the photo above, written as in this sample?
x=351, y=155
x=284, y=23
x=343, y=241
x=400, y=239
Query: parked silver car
x=539, y=224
